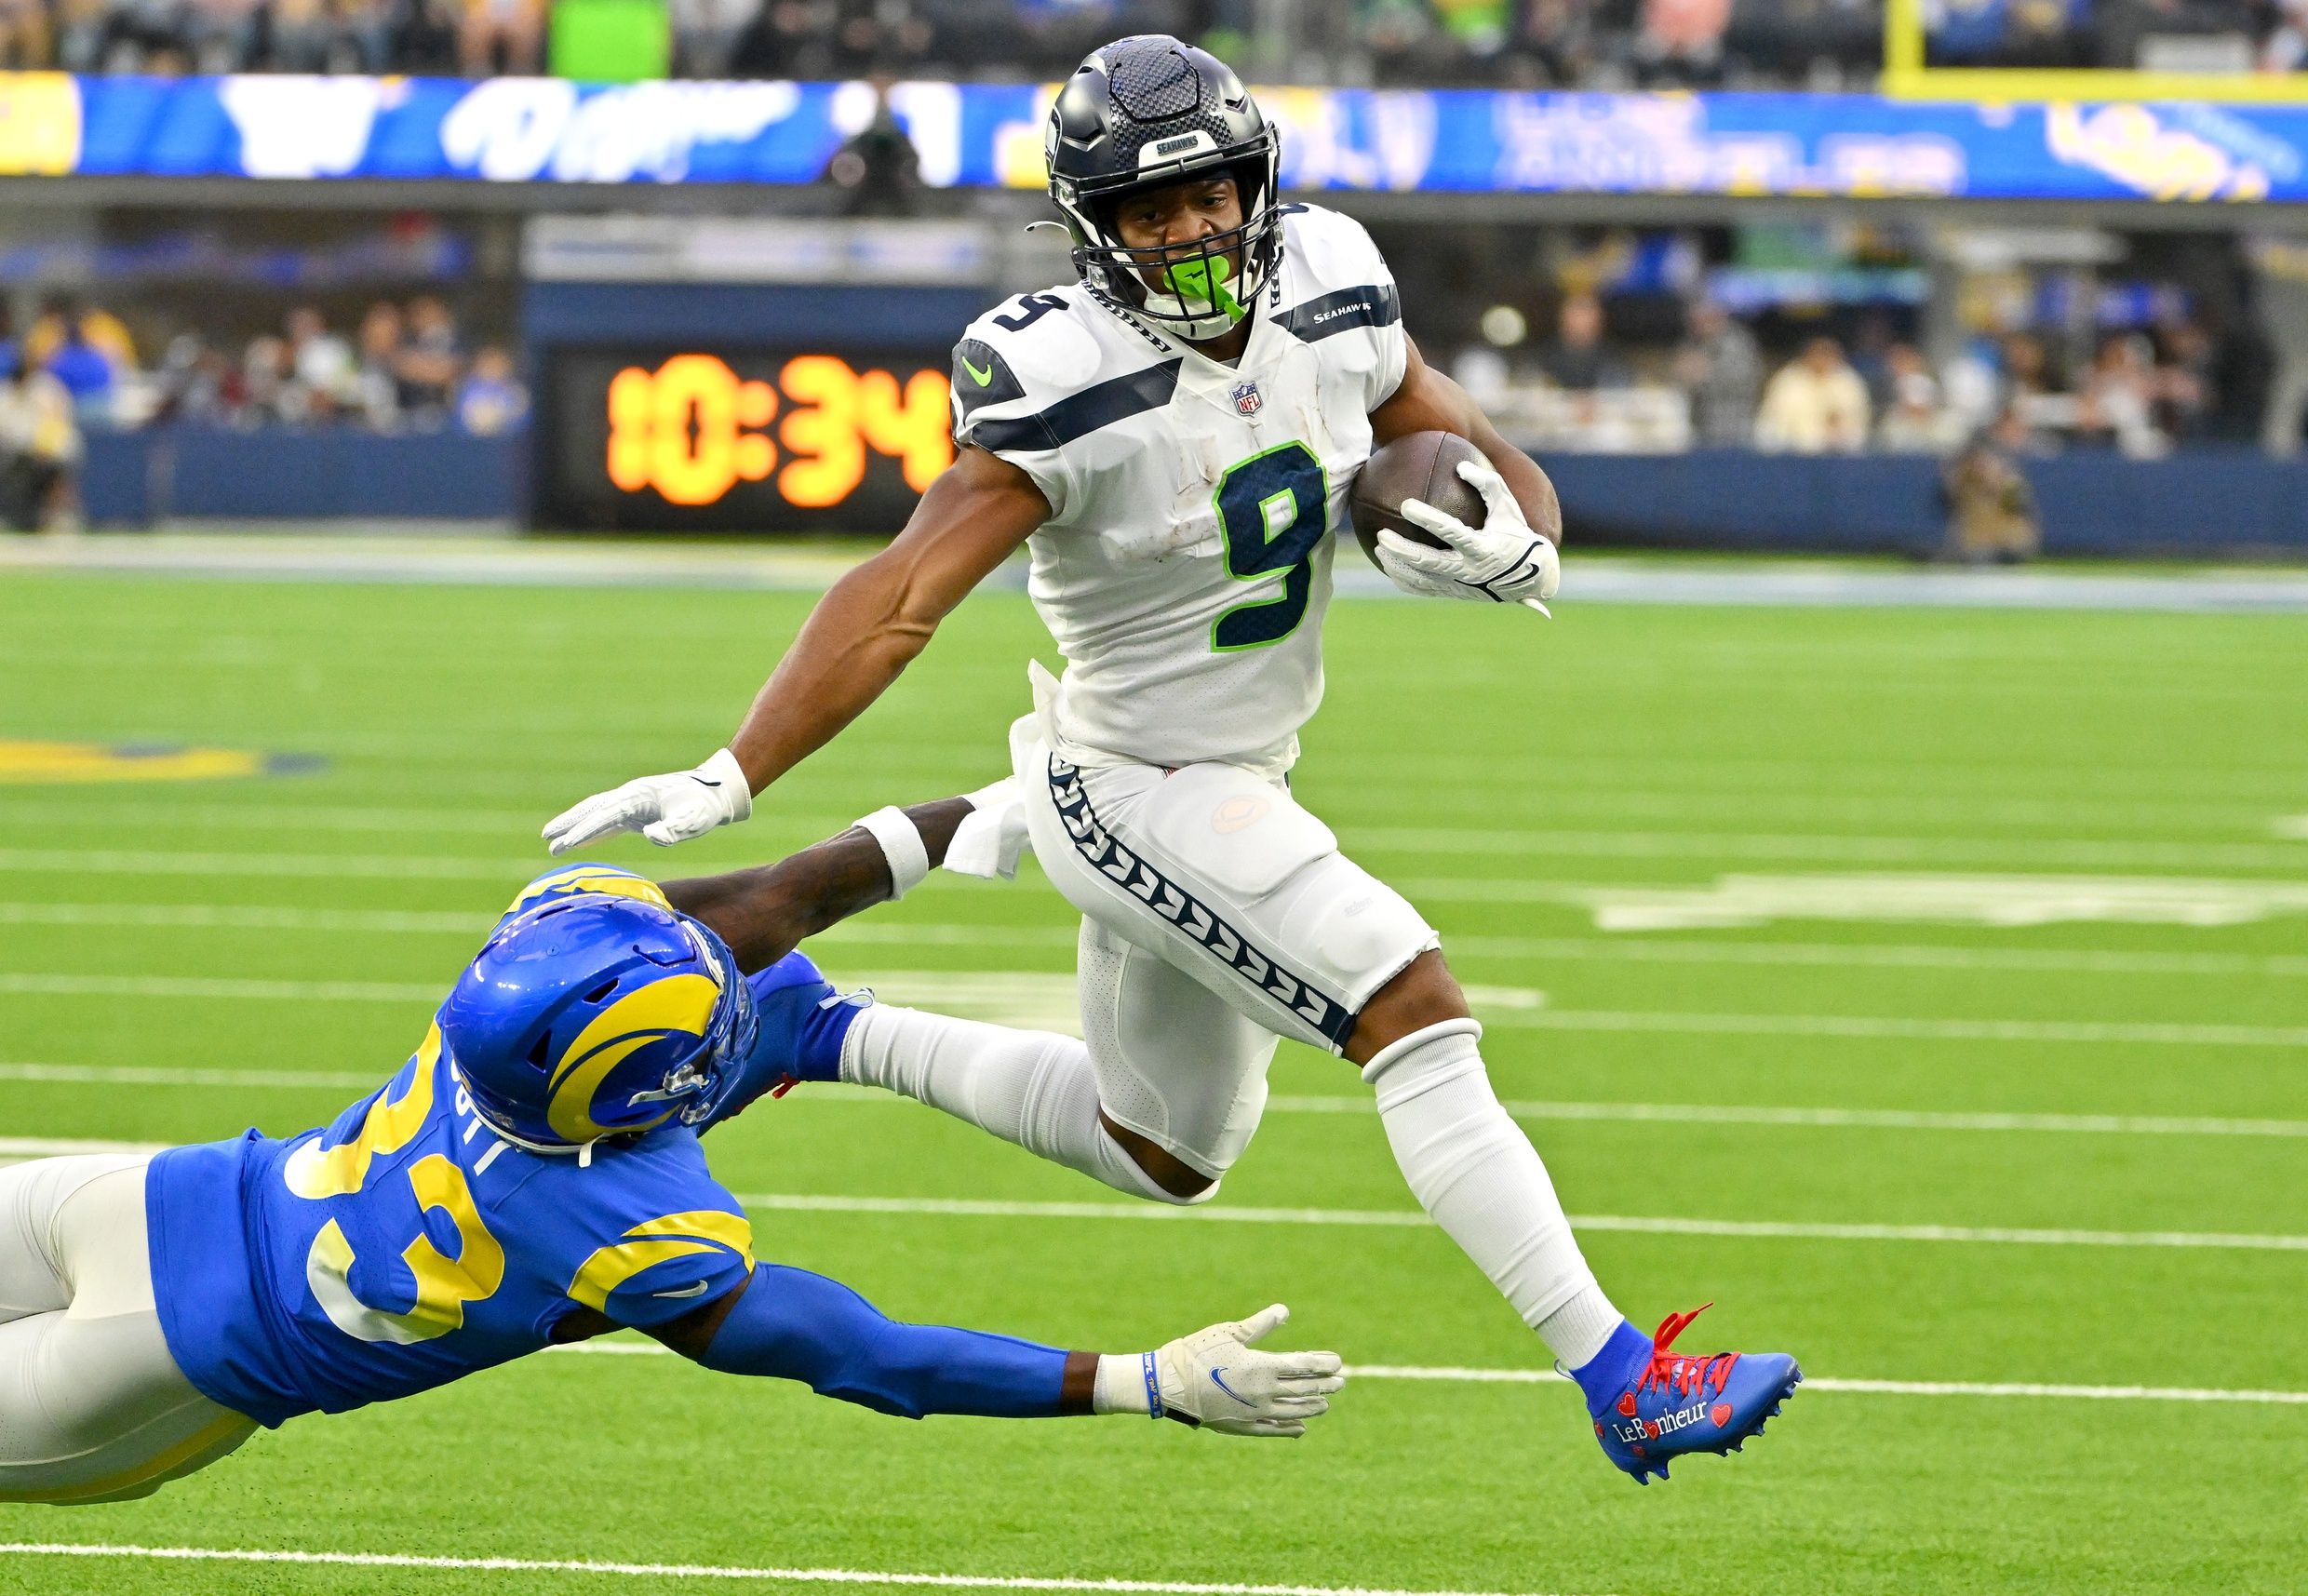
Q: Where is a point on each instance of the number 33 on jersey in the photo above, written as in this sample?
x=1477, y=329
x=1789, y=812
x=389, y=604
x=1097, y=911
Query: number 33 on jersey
x=1186, y=566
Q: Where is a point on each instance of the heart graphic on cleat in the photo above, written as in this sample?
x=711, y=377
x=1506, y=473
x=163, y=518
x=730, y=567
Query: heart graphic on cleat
x=1720, y=1413
x=1627, y=1404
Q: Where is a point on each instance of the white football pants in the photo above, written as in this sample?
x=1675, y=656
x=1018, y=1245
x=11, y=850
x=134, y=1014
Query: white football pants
x=92, y=1407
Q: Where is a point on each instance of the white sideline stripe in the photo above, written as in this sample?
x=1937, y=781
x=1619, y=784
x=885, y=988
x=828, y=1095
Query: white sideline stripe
x=1413, y=1219
x=1043, y=999
x=1897, y=956
x=686, y=1570
x=1635, y=1113
x=1811, y=1382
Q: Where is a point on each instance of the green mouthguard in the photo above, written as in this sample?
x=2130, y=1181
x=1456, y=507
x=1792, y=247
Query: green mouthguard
x=1205, y=280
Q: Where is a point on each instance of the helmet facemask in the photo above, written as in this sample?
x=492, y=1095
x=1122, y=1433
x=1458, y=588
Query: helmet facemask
x=1199, y=289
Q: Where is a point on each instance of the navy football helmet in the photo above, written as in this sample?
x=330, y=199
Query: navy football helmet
x=1143, y=113
x=597, y=1015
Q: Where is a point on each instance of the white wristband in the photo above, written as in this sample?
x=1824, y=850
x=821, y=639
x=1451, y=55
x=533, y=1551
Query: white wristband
x=902, y=846
x=1122, y=1388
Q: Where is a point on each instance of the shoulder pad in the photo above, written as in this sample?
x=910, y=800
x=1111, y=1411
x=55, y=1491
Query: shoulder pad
x=1032, y=374
x=1335, y=247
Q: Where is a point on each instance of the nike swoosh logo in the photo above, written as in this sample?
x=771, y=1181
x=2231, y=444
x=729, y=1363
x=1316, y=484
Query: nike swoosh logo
x=983, y=377
x=699, y=1290
x=1217, y=1378
x=702, y=783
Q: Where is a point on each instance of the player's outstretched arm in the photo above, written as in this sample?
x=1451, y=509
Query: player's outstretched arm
x=866, y=630
x=767, y=912
x=791, y=1324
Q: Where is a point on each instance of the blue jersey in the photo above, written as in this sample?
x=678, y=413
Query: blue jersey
x=405, y=1244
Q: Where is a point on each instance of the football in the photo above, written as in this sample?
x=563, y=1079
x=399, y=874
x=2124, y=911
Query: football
x=1422, y=466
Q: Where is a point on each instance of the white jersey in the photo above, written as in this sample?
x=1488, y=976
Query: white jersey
x=1186, y=566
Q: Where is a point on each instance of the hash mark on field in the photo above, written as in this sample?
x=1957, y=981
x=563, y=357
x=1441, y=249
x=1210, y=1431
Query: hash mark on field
x=1811, y=1382
x=687, y=1570
x=1405, y=1218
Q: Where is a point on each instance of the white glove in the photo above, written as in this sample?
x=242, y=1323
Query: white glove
x=992, y=836
x=667, y=810
x=1214, y=1379
x=1502, y=560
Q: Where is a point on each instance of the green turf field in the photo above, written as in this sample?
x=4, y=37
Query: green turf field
x=1809, y=823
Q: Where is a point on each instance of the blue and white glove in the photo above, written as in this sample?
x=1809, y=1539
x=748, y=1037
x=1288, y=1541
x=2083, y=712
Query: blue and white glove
x=1213, y=1379
x=1501, y=561
x=667, y=810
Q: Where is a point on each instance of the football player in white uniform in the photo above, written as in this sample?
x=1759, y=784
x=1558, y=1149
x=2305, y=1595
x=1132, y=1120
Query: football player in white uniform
x=1172, y=437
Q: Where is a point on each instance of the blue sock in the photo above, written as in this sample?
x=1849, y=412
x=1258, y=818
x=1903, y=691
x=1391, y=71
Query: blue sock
x=823, y=1032
x=800, y=1031
x=1612, y=1370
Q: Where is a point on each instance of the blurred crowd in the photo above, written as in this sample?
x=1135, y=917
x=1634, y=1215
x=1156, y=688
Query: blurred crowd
x=77, y=366
x=2137, y=390
x=1587, y=43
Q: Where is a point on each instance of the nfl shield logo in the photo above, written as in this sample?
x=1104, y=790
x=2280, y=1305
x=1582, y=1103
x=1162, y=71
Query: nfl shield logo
x=1246, y=399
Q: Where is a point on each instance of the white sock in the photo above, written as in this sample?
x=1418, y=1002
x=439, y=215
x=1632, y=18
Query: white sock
x=1476, y=1175
x=1034, y=1088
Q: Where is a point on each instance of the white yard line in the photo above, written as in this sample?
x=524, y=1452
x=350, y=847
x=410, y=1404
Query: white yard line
x=1390, y=1218
x=246, y=917
x=1549, y=848
x=2035, y=852
x=1873, y=1026
x=30, y=983
x=1412, y=1219
x=1604, y=949
x=821, y=1094
x=163, y=1075
x=1836, y=1119
x=686, y=1570
x=1450, y=1375
x=1044, y=998
x=267, y=861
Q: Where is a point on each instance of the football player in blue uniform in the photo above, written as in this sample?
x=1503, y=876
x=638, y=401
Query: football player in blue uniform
x=531, y=1176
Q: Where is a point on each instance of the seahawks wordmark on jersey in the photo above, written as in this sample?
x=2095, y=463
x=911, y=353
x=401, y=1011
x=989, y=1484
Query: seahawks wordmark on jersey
x=1186, y=566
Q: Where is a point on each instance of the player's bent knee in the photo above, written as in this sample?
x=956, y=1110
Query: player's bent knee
x=1161, y=1174
x=1423, y=995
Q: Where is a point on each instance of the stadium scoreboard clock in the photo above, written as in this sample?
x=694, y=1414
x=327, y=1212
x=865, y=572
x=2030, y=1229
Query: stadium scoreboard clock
x=771, y=440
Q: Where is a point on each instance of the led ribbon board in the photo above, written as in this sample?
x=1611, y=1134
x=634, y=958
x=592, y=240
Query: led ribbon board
x=2082, y=138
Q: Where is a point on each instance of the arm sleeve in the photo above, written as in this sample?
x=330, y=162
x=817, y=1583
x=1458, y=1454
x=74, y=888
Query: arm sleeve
x=794, y=1325
x=665, y=1267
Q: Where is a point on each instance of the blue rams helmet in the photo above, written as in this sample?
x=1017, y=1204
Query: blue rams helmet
x=597, y=1015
